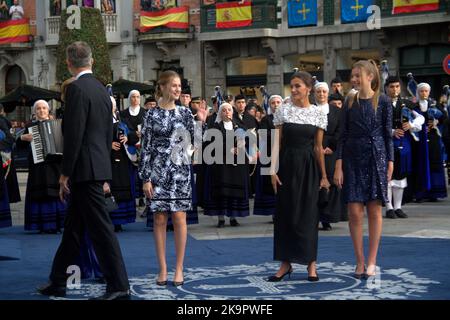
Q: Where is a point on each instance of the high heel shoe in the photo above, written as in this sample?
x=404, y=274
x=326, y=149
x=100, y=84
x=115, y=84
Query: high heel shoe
x=313, y=278
x=374, y=267
x=360, y=276
x=278, y=279
x=178, y=283
x=161, y=283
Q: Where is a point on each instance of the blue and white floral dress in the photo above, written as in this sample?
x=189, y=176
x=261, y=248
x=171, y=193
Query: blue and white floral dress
x=167, y=138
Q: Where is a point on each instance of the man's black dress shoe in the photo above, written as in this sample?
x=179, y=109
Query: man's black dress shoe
x=390, y=214
x=114, y=295
x=221, y=224
x=234, y=223
x=399, y=213
x=52, y=290
x=326, y=226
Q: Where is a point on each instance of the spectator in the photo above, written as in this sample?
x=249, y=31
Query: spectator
x=16, y=11
x=56, y=9
x=88, y=3
x=4, y=11
x=108, y=6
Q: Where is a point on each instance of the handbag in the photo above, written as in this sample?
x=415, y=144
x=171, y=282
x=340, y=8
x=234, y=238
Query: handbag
x=323, y=197
x=111, y=204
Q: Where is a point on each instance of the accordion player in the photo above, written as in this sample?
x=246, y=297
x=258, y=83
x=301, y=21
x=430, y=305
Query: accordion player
x=47, y=140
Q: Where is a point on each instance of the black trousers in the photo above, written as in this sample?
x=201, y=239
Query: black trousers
x=87, y=212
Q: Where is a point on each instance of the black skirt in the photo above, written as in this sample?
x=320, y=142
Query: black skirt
x=297, y=215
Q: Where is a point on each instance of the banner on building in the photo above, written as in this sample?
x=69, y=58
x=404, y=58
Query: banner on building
x=407, y=6
x=175, y=18
x=302, y=13
x=355, y=10
x=234, y=14
x=14, y=31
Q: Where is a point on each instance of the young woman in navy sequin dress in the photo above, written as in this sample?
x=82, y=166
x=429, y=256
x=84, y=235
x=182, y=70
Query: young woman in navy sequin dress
x=365, y=159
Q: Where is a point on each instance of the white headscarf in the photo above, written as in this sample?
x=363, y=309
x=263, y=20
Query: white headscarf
x=219, y=113
x=321, y=84
x=420, y=86
x=131, y=93
x=38, y=102
x=274, y=96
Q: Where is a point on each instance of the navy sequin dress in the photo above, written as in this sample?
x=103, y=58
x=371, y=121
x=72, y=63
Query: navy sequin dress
x=164, y=160
x=365, y=147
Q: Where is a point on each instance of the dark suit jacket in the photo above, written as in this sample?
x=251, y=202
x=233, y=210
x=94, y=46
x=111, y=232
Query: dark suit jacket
x=247, y=122
x=88, y=131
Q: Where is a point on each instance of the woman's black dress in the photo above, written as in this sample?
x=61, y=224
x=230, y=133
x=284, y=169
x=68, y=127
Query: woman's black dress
x=297, y=215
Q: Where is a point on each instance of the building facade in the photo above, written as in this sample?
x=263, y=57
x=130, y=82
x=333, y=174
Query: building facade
x=241, y=58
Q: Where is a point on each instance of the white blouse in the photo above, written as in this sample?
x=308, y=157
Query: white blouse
x=289, y=113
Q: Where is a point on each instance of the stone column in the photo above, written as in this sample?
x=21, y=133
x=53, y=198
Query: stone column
x=330, y=62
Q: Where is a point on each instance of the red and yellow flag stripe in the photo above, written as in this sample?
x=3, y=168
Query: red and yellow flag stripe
x=407, y=6
x=176, y=18
x=234, y=14
x=14, y=31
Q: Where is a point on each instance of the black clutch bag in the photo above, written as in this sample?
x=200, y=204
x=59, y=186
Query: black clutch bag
x=111, y=204
x=323, y=197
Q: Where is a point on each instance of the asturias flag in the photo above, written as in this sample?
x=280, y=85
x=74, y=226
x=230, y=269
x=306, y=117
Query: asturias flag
x=14, y=31
x=355, y=10
x=302, y=13
x=406, y=6
x=175, y=18
x=234, y=14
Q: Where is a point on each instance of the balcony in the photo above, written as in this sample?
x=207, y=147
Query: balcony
x=167, y=25
x=264, y=22
x=110, y=22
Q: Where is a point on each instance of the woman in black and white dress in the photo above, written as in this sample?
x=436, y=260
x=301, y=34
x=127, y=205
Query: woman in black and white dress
x=299, y=129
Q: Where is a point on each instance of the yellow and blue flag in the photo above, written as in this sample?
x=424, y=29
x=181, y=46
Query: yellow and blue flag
x=355, y=10
x=302, y=13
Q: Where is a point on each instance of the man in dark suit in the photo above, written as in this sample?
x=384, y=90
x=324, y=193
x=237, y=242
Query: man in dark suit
x=241, y=117
x=88, y=137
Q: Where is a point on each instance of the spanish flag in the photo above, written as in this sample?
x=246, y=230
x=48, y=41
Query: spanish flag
x=15, y=31
x=175, y=18
x=234, y=14
x=407, y=6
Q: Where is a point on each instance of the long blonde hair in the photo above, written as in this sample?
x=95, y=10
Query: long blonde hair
x=164, y=79
x=370, y=67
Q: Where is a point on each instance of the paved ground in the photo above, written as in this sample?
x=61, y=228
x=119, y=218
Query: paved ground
x=429, y=220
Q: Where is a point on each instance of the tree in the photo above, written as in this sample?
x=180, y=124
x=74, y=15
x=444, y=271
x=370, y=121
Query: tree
x=93, y=33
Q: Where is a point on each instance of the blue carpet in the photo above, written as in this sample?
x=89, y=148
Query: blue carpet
x=411, y=268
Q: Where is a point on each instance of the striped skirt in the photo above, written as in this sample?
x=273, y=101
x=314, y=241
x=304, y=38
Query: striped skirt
x=5, y=210
x=45, y=215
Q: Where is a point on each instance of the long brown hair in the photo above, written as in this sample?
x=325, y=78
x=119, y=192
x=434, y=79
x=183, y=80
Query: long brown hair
x=164, y=79
x=370, y=67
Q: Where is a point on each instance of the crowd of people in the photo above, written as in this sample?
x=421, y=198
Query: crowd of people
x=307, y=160
x=11, y=12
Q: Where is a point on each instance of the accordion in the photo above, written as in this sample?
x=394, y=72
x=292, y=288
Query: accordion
x=47, y=141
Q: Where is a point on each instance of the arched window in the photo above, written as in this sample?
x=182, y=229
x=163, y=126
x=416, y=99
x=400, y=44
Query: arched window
x=14, y=78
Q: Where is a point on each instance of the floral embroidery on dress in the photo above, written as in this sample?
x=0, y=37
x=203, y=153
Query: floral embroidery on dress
x=289, y=113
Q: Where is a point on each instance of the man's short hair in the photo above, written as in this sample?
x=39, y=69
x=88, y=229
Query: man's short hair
x=240, y=97
x=336, y=80
x=149, y=99
x=79, y=54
